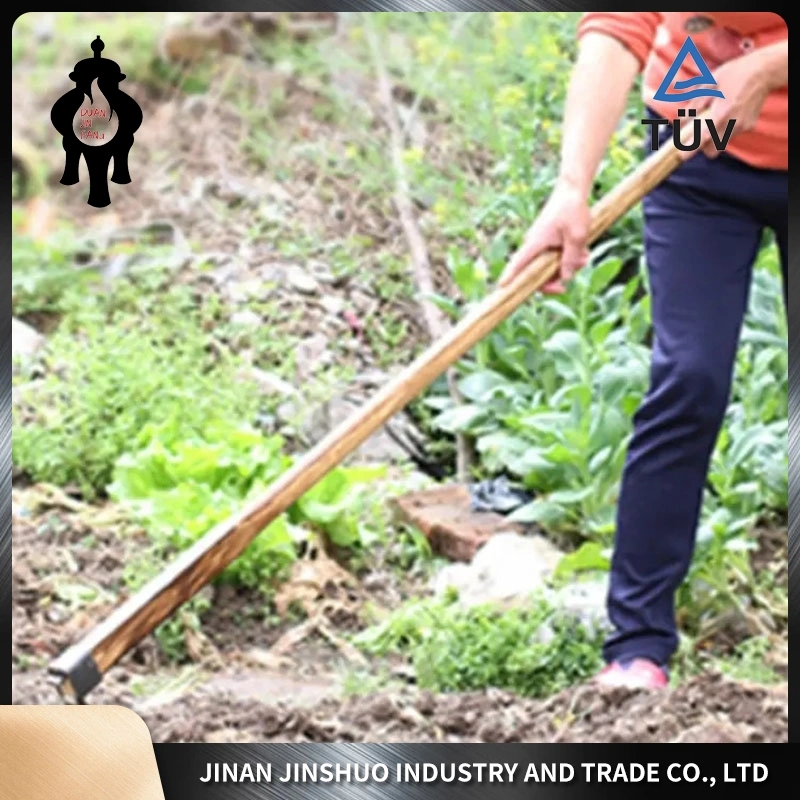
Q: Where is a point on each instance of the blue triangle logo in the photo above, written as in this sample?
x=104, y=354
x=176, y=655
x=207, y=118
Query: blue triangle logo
x=704, y=78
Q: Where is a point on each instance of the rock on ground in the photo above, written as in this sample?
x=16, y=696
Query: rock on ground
x=509, y=566
x=378, y=448
x=25, y=340
x=584, y=599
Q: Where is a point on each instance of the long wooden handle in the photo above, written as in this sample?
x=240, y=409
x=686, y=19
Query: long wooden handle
x=81, y=667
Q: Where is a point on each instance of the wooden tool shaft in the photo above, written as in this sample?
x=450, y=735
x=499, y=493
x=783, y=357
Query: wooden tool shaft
x=86, y=661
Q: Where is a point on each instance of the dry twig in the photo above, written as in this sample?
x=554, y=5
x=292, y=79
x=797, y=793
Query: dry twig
x=420, y=262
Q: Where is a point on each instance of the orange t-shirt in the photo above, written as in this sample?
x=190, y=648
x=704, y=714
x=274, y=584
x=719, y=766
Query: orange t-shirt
x=655, y=38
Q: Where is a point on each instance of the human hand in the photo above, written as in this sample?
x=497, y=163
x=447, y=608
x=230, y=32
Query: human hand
x=745, y=83
x=563, y=224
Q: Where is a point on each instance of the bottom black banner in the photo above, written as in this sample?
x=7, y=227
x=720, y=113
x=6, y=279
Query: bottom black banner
x=512, y=771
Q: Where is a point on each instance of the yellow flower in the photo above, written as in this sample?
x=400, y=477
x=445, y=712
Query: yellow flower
x=545, y=124
x=441, y=209
x=510, y=97
x=550, y=48
x=485, y=58
x=517, y=188
x=503, y=20
x=502, y=48
x=426, y=48
x=413, y=155
x=530, y=51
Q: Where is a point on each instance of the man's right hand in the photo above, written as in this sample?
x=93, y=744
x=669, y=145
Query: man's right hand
x=562, y=225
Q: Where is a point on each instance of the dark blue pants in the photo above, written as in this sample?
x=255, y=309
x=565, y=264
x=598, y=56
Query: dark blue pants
x=703, y=229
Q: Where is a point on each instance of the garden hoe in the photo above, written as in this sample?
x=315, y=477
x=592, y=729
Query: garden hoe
x=81, y=668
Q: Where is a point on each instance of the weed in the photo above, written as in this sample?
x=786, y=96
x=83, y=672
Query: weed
x=43, y=271
x=533, y=652
x=112, y=372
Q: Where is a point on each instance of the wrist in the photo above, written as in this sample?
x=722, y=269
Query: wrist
x=575, y=183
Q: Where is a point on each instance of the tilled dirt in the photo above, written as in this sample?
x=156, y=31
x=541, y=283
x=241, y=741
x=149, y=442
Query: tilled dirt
x=62, y=556
x=69, y=573
x=706, y=709
x=69, y=569
x=65, y=555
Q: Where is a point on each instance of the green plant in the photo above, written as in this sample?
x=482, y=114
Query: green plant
x=171, y=635
x=749, y=471
x=550, y=395
x=748, y=662
x=534, y=651
x=115, y=366
x=182, y=485
x=42, y=272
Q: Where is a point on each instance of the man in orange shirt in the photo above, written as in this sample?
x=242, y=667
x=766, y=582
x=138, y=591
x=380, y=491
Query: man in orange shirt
x=703, y=230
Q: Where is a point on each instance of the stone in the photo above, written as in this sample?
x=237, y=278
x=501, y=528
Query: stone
x=446, y=519
x=244, y=291
x=25, y=341
x=451, y=577
x=287, y=413
x=373, y=378
x=270, y=383
x=363, y=302
x=322, y=273
x=299, y=279
x=508, y=568
x=378, y=448
x=310, y=351
x=585, y=600
x=332, y=304
x=246, y=318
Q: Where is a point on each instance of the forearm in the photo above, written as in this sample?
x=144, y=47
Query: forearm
x=774, y=65
x=598, y=93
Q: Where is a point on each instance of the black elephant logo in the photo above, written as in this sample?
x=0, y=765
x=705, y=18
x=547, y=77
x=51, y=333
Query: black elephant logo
x=97, y=155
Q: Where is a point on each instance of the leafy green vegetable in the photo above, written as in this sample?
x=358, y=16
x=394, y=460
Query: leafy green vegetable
x=181, y=488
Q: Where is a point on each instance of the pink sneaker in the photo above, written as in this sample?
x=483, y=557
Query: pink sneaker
x=637, y=674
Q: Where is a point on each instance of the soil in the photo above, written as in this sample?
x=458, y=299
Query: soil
x=707, y=709
x=237, y=690
x=69, y=572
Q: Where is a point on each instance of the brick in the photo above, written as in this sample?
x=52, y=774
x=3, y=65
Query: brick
x=446, y=520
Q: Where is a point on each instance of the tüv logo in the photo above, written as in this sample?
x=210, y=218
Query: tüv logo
x=704, y=79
